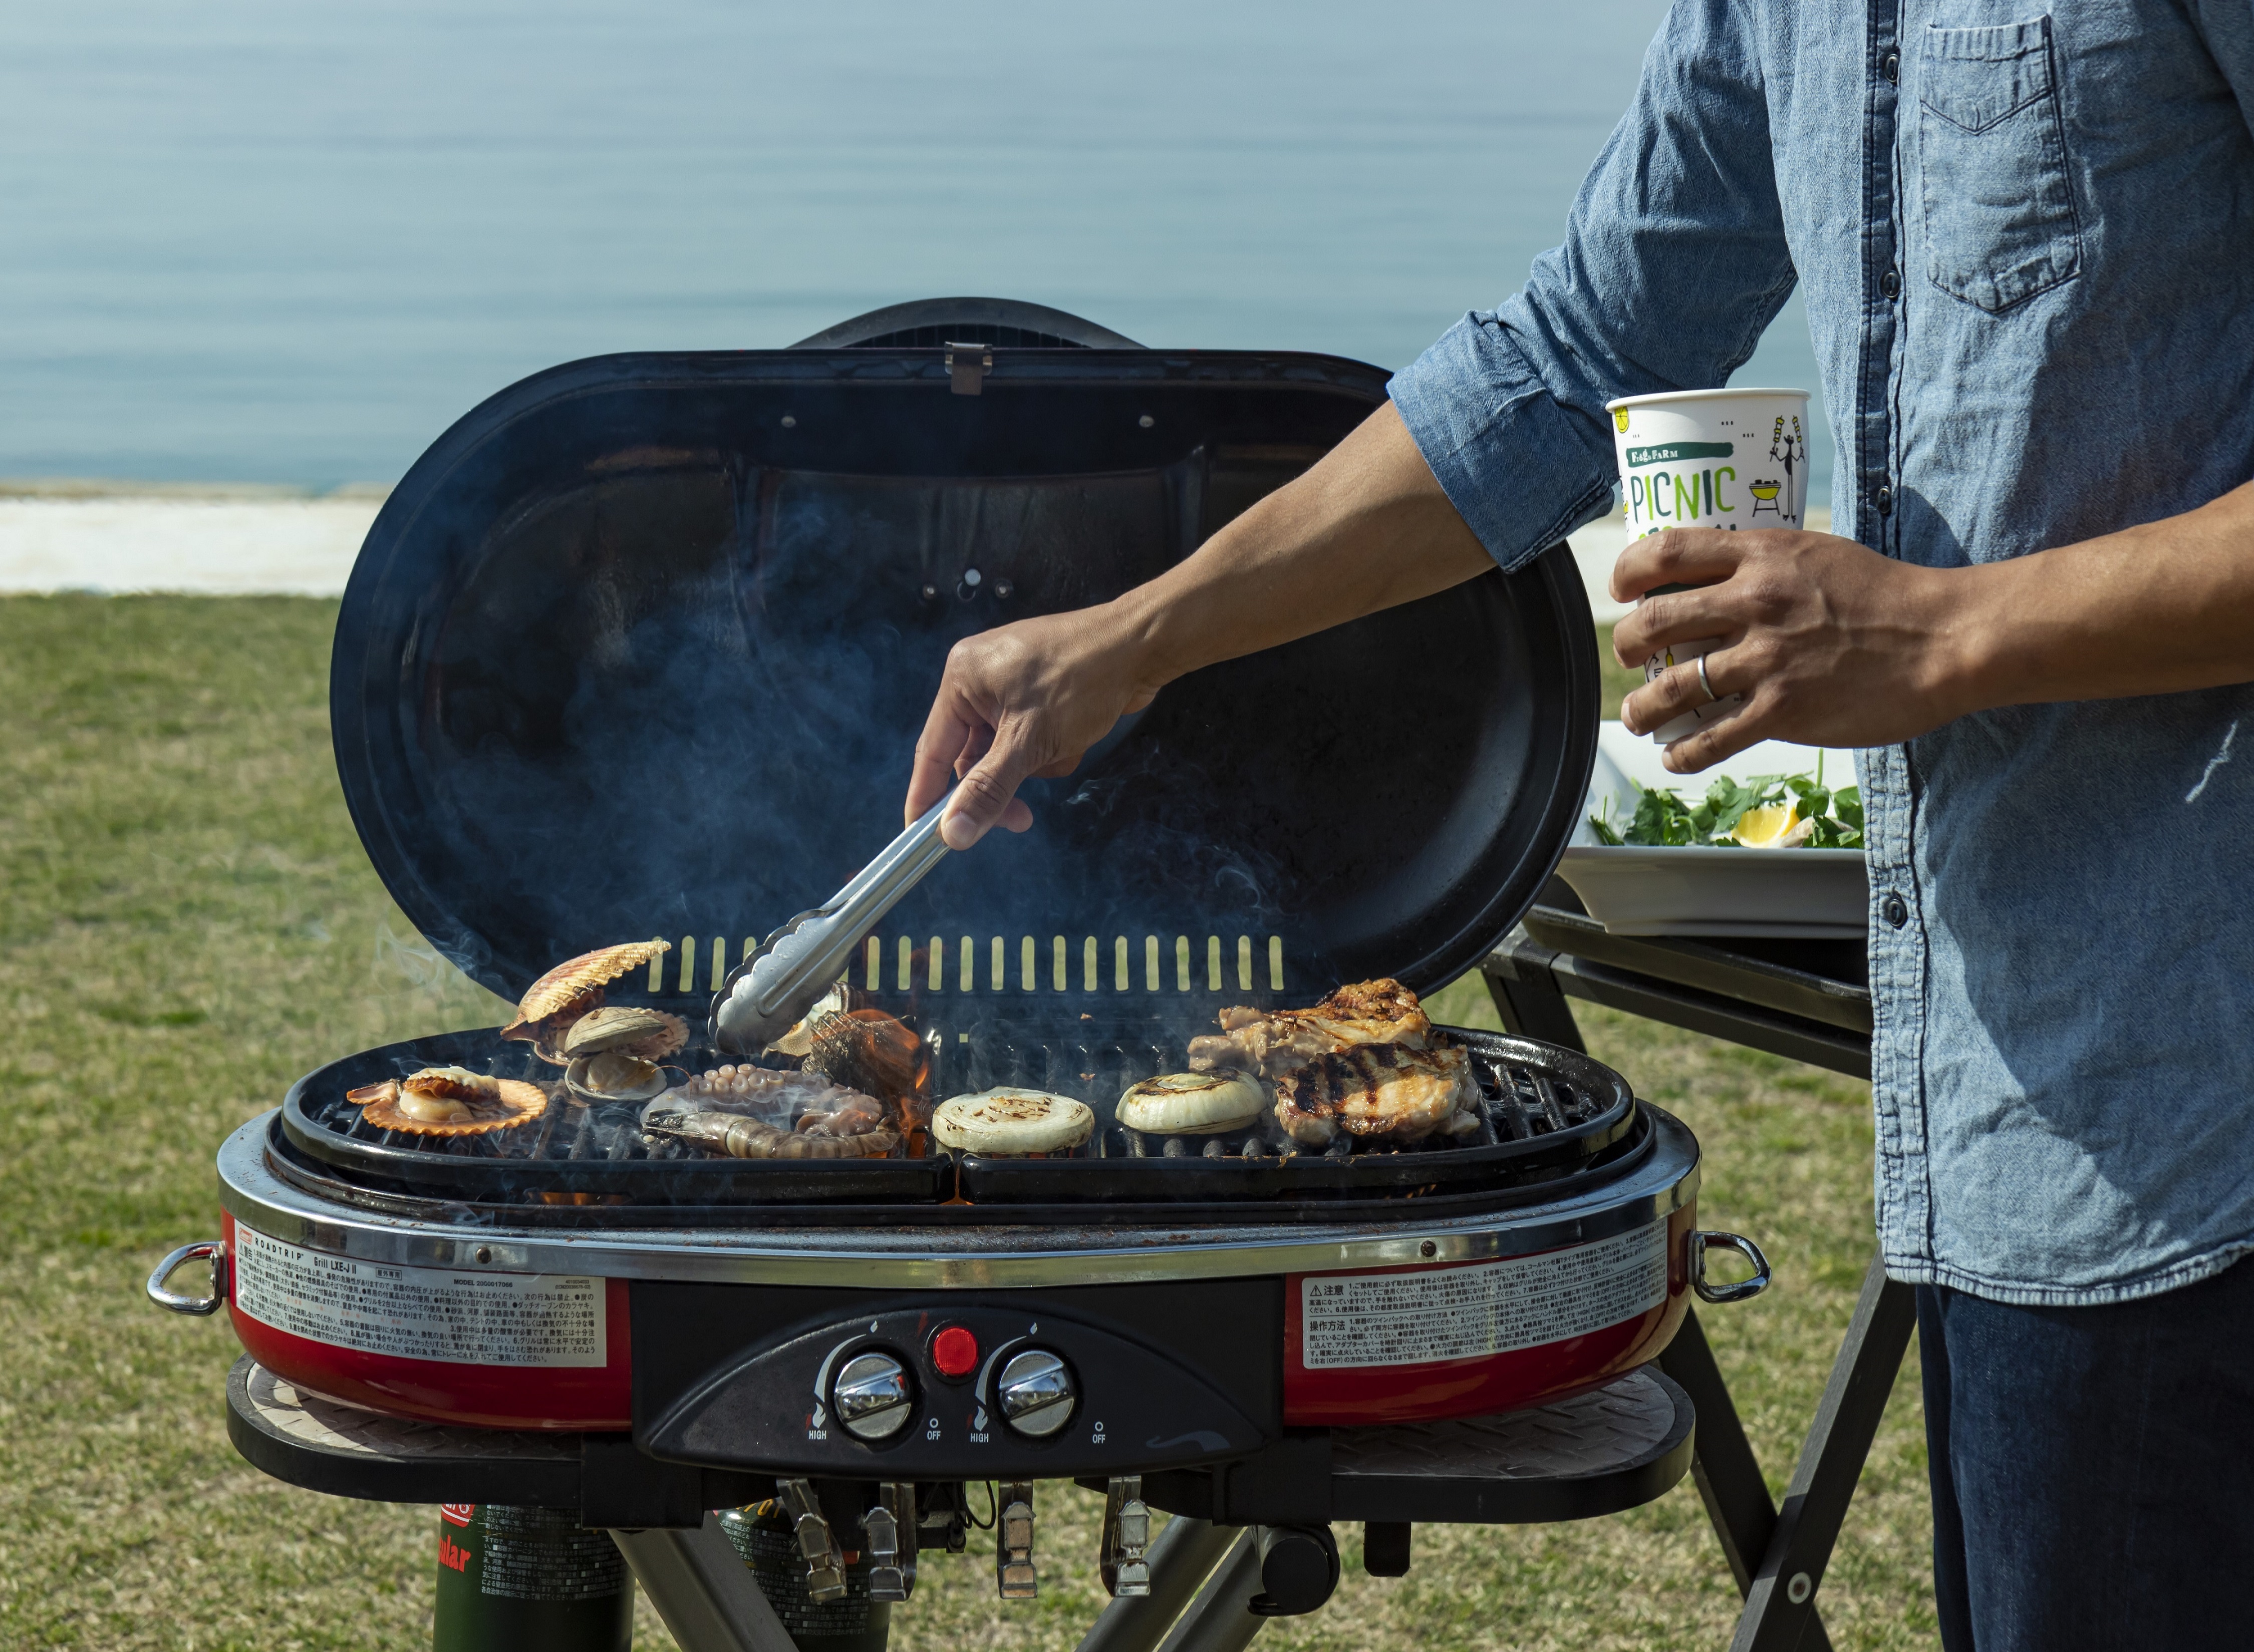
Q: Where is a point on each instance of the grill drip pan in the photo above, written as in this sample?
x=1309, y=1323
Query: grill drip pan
x=1547, y=1114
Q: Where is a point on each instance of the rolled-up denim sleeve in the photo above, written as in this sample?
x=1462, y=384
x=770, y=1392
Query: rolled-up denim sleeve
x=1674, y=263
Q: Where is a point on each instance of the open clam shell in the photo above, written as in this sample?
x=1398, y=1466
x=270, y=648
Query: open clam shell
x=572, y=988
x=629, y=1029
x=449, y=1110
x=612, y=1076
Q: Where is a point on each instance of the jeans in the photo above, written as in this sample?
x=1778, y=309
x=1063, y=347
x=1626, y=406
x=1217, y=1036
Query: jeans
x=2093, y=1470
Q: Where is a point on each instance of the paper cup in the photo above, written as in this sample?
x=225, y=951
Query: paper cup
x=1709, y=458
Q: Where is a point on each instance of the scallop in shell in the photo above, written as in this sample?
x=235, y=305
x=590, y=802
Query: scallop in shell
x=573, y=988
x=449, y=1101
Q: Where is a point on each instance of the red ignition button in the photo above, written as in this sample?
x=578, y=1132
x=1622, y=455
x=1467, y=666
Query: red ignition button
x=955, y=1351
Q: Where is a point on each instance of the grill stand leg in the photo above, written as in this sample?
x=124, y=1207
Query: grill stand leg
x=1781, y=1605
x=1793, y=1548
x=1728, y=1475
x=702, y=1588
x=1179, y=1560
x=1220, y=1619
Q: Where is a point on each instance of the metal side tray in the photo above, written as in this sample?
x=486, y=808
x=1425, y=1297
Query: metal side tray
x=1616, y=1447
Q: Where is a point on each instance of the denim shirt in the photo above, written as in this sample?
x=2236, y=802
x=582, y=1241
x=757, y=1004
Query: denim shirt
x=2027, y=246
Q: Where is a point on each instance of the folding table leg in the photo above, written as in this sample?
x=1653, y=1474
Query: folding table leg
x=702, y=1588
x=1531, y=1006
x=1782, y=1603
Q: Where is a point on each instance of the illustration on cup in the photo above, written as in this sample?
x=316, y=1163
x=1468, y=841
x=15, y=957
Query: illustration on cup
x=1787, y=449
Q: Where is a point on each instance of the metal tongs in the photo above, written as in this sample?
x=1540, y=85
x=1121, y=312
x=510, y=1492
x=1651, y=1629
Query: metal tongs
x=770, y=991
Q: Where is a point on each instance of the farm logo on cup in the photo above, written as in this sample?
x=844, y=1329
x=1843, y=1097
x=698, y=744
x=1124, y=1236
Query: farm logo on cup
x=1713, y=459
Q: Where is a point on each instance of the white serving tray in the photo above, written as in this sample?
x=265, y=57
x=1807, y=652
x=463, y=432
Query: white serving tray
x=1812, y=893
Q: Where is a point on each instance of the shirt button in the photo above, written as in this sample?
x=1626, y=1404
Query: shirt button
x=1884, y=499
x=1890, y=66
x=1896, y=910
x=1890, y=283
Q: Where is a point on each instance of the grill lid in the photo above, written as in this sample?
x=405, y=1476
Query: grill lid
x=641, y=646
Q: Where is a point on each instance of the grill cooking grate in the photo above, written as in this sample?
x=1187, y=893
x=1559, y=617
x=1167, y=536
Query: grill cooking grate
x=1544, y=1113
x=1518, y=1103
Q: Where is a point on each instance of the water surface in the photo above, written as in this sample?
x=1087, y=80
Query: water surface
x=293, y=242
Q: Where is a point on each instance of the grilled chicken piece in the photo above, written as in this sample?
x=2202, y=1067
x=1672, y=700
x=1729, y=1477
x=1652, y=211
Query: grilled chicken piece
x=1281, y=1041
x=1374, y=1089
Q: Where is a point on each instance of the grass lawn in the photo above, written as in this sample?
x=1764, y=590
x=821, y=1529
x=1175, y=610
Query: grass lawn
x=187, y=923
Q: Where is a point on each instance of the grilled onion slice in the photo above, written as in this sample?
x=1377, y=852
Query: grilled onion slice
x=1191, y=1103
x=1000, y=1122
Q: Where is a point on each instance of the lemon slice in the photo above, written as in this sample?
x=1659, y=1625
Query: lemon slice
x=1766, y=828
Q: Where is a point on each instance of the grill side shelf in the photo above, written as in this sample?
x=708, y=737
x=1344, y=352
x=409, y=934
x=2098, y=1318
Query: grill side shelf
x=1623, y=1444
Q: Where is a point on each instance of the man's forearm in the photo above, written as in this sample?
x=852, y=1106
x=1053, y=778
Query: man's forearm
x=2155, y=609
x=1366, y=529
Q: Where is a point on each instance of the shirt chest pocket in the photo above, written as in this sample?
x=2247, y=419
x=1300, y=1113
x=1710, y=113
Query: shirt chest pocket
x=1998, y=206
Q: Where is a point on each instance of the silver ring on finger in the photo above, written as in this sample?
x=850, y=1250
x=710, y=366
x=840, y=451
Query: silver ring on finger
x=1711, y=696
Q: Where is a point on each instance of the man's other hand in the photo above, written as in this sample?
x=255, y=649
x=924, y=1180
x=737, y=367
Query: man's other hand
x=1830, y=643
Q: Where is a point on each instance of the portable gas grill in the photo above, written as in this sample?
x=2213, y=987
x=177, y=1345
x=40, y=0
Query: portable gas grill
x=639, y=647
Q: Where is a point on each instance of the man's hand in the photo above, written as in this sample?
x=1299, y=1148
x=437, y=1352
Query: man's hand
x=1830, y=643
x=1835, y=645
x=1021, y=700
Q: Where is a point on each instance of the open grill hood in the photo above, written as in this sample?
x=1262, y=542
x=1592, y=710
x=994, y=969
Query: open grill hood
x=641, y=646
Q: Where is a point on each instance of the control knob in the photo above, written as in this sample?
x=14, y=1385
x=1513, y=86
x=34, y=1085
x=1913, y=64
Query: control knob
x=1034, y=1393
x=874, y=1396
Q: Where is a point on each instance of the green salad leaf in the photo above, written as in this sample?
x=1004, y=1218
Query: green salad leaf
x=1663, y=819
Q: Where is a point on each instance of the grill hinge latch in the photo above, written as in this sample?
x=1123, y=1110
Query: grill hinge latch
x=1126, y=1535
x=890, y=1529
x=817, y=1544
x=1013, y=1543
x=967, y=367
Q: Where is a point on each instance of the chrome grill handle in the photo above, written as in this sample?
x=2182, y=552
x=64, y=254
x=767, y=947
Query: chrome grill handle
x=206, y=1250
x=1743, y=1290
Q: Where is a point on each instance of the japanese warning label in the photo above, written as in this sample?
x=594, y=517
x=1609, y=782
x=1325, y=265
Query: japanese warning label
x=419, y=1314
x=1415, y=1317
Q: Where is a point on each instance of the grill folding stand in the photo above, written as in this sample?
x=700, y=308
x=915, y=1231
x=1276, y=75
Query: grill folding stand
x=635, y=597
